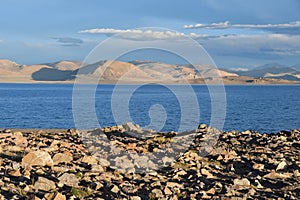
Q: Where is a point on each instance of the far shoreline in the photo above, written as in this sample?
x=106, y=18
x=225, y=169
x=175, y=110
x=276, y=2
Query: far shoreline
x=145, y=83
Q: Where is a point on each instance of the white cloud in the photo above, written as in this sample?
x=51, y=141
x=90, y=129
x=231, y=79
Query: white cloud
x=239, y=69
x=144, y=34
x=288, y=28
x=135, y=34
x=226, y=49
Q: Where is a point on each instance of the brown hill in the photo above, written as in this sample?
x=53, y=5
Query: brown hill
x=108, y=71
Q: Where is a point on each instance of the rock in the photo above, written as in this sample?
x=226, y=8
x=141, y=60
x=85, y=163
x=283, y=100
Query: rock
x=275, y=175
x=49, y=196
x=167, y=191
x=241, y=182
x=5, y=135
x=44, y=184
x=157, y=193
x=6, y=131
x=89, y=160
x=135, y=198
x=115, y=189
x=296, y=173
x=132, y=127
x=104, y=163
x=211, y=191
x=283, y=138
x=144, y=162
x=220, y=157
x=123, y=162
x=60, y=196
x=258, y=185
x=201, y=128
x=258, y=166
x=97, y=168
x=167, y=160
x=281, y=165
x=15, y=173
x=242, y=165
x=37, y=158
x=69, y=180
x=246, y=132
x=61, y=158
x=174, y=185
x=206, y=173
x=20, y=140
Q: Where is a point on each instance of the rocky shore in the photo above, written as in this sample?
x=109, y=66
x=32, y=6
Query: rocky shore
x=63, y=164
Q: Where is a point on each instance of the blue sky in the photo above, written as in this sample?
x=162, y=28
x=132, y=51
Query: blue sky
x=235, y=33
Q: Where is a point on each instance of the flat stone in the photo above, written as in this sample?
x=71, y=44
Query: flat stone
x=135, y=198
x=69, y=180
x=89, y=160
x=59, y=196
x=97, y=168
x=61, y=158
x=104, y=163
x=15, y=173
x=44, y=184
x=37, y=158
x=275, y=175
x=241, y=182
x=174, y=184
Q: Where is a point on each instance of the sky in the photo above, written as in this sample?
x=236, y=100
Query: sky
x=236, y=34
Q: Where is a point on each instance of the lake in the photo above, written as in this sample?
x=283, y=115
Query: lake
x=268, y=108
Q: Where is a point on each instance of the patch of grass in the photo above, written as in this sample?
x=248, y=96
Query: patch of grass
x=79, y=175
x=80, y=193
x=161, y=140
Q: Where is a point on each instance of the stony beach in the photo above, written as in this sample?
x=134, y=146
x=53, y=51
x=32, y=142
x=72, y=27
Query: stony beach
x=61, y=164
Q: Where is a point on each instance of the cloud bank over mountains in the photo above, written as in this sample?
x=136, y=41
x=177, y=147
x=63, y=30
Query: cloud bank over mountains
x=273, y=42
x=286, y=28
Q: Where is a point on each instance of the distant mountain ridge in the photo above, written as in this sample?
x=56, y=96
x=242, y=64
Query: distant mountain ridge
x=273, y=70
x=107, y=71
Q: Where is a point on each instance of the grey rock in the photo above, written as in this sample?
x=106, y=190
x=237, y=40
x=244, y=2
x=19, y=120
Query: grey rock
x=69, y=180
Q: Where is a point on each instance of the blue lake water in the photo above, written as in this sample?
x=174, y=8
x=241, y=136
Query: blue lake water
x=263, y=108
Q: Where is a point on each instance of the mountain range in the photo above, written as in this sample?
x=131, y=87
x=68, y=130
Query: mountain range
x=107, y=71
